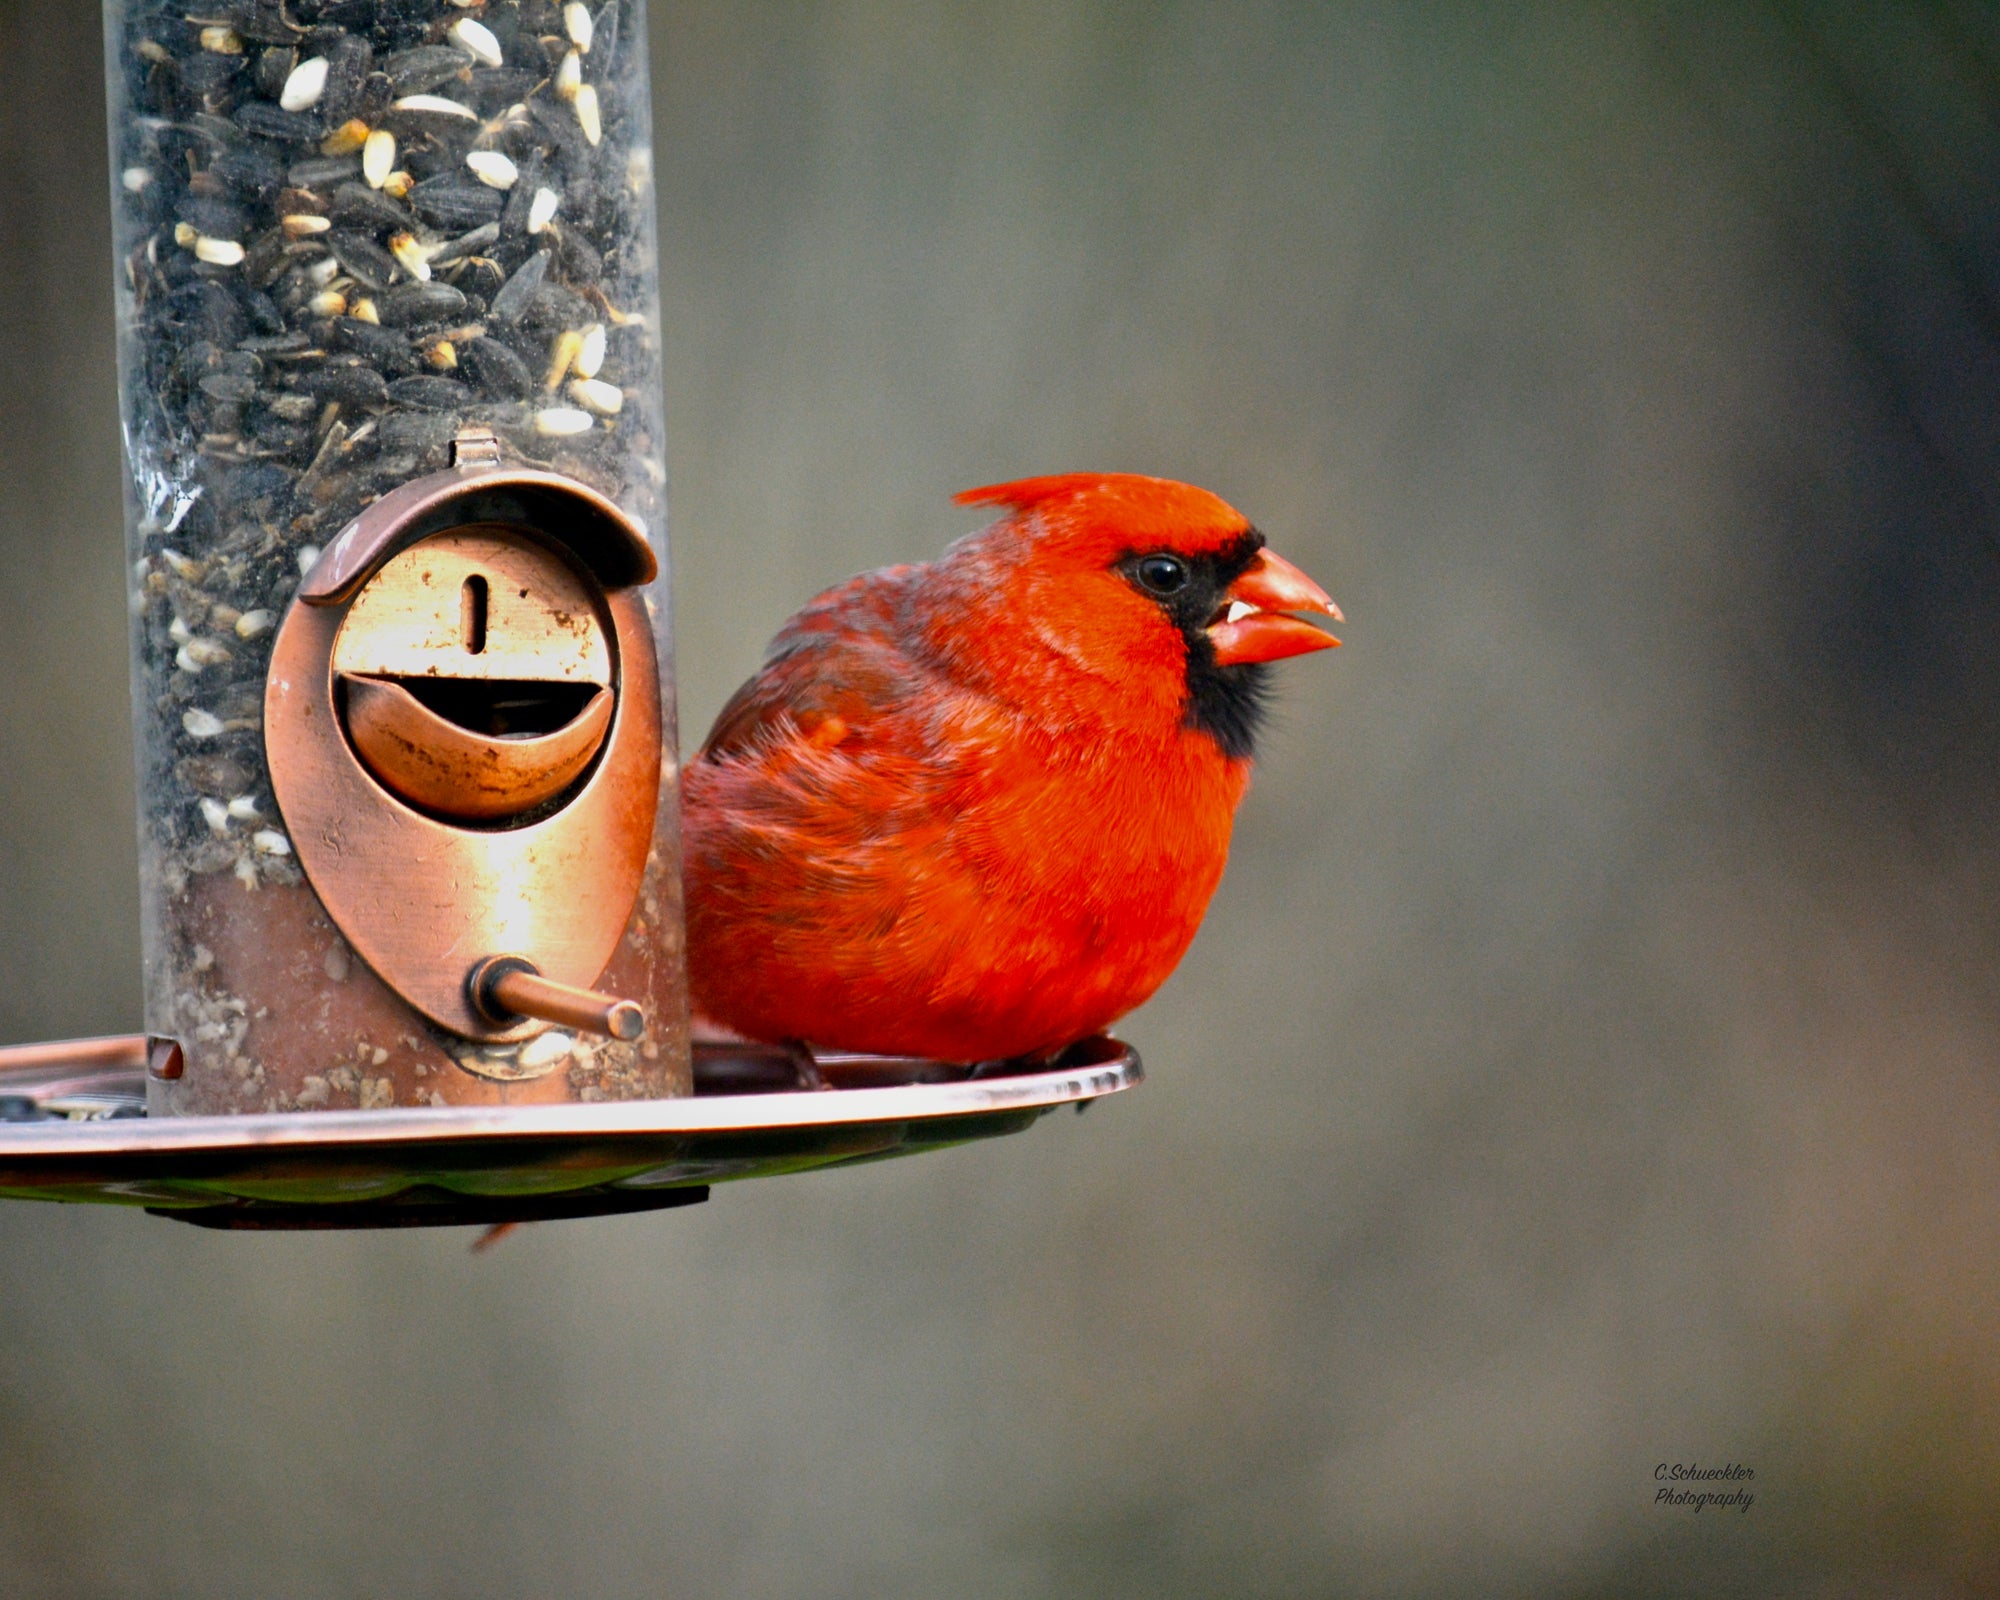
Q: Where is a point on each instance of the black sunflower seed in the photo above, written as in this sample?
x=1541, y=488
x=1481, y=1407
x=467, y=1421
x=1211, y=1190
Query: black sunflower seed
x=452, y=201
x=216, y=218
x=355, y=205
x=497, y=370
x=368, y=263
x=267, y=121
x=466, y=244
x=430, y=394
x=604, y=41
x=272, y=69
x=415, y=304
x=356, y=386
x=322, y=171
x=519, y=291
x=263, y=312
x=422, y=70
x=205, y=73
x=373, y=101
x=419, y=433
x=347, y=64
x=249, y=167
x=232, y=386
x=384, y=349
x=494, y=89
x=578, y=258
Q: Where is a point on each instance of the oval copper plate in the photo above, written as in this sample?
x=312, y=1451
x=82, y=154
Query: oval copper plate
x=421, y=899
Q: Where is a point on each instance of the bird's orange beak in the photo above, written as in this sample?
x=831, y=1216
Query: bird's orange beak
x=1256, y=627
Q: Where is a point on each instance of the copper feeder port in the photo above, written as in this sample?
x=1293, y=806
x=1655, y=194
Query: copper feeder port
x=474, y=675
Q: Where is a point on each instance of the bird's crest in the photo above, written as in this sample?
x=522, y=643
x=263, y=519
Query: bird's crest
x=1138, y=508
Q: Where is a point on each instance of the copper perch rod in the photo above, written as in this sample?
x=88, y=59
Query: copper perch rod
x=112, y=1050
x=507, y=987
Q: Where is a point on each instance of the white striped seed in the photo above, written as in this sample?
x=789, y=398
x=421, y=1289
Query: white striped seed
x=378, y=157
x=559, y=422
x=304, y=85
x=218, y=252
x=561, y=354
x=437, y=106
x=477, y=41
x=492, y=168
x=594, y=394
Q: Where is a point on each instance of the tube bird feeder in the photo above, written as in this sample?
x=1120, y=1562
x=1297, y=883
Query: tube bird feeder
x=401, y=657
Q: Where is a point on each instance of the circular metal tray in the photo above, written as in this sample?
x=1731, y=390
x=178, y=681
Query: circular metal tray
x=74, y=1129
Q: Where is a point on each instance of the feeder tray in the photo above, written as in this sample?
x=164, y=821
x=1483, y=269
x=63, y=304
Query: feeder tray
x=73, y=1127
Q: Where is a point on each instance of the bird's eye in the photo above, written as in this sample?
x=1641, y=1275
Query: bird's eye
x=1163, y=574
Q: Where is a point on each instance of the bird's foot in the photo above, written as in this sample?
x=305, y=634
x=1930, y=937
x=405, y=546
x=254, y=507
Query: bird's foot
x=806, y=1065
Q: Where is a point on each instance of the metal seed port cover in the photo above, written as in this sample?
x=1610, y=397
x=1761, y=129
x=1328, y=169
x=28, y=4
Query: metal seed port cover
x=435, y=831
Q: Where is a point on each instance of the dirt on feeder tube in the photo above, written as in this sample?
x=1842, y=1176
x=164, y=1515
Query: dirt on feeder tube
x=347, y=232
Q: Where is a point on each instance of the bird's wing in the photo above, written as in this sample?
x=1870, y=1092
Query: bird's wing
x=834, y=669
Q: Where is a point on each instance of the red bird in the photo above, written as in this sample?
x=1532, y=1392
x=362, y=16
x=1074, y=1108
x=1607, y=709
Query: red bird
x=975, y=809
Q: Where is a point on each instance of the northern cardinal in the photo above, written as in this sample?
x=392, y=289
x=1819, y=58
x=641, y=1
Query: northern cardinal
x=974, y=809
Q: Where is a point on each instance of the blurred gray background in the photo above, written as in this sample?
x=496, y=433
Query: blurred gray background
x=1589, y=1060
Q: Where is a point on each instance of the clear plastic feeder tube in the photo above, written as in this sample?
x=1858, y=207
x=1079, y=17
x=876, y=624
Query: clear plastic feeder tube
x=348, y=234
